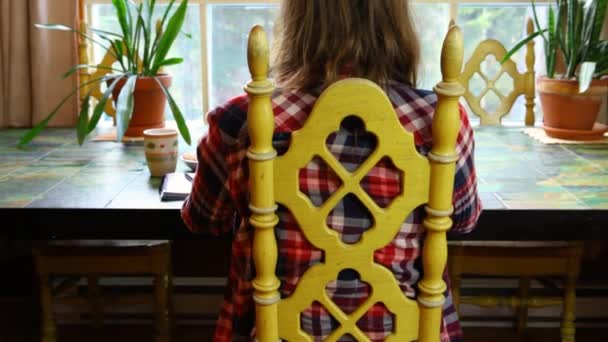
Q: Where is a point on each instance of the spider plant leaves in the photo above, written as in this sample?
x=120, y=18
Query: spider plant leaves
x=83, y=119
x=173, y=28
x=521, y=43
x=600, y=55
x=34, y=131
x=535, y=16
x=177, y=114
x=590, y=10
x=167, y=10
x=118, y=48
x=101, y=105
x=59, y=27
x=560, y=14
x=140, y=48
x=598, y=20
x=84, y=66
x=585, y=76
x=139, y=27
x=171, y=61
x=124, y=107
x=551, y=43
x=147, y=11
x=571, y=17
x=104, y=32
x=573, y=27
x=123, y=17
x=147, y=25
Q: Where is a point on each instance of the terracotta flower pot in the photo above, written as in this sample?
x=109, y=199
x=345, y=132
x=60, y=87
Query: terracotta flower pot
x=565, y=108
x=149, y=102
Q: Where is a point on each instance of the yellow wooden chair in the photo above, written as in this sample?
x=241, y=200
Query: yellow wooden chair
x=87, y=74
x=524, y=260
x=494, y=80
x=428, y=181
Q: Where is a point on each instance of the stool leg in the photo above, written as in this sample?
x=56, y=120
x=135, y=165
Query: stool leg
x=49, y=329
x=95, y=301
x=568, y=328
x=455, y=272
x=161, y=285
x=456, y=280
x=522, y=310
x=172, y=327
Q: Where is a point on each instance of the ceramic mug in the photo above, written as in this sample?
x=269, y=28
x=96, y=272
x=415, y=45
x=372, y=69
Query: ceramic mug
x=161, y=150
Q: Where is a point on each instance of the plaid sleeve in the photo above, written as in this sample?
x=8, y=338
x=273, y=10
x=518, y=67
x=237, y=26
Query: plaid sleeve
x=210, y=208
x=467, y=205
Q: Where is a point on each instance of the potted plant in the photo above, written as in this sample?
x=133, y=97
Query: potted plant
x=137, y=86
x=571, y=101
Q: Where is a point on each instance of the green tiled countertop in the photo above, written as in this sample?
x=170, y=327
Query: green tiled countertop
x=520, y=179
x=517, y=172
x=55, y=172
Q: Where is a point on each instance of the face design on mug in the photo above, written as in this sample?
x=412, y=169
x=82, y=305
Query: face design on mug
x=162, y=145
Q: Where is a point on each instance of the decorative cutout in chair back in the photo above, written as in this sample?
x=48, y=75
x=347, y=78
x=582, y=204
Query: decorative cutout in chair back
x=367, y=101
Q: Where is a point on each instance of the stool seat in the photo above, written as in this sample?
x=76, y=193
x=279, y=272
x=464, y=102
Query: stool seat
x=505, y=244
x=105, y=248
x=95, y=258
x=106, y=243
x=524, y=260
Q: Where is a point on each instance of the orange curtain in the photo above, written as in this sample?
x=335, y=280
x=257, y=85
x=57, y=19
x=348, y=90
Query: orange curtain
x=32, y=62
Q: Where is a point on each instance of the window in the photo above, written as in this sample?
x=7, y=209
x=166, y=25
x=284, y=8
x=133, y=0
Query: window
x=229, y=27
x=215, y=66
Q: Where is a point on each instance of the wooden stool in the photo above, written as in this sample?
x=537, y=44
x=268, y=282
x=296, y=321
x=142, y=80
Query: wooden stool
x=95, y=258
x=525, y=260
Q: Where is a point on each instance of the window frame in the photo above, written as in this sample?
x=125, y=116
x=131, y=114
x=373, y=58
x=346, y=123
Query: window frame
x=204, y=25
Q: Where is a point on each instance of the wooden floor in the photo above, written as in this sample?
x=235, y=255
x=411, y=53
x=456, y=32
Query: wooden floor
x=197, y=334
x=19, y=323
x=19, y=319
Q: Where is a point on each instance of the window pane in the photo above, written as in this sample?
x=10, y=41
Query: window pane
x=507, y=24
x=431, y=39
x=229, y=27
x=187, y=79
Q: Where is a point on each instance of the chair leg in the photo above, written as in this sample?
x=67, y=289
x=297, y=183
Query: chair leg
x=568, y=328
x=95, y=301
x=522, y=309
x=163, y=322
x=49, y=328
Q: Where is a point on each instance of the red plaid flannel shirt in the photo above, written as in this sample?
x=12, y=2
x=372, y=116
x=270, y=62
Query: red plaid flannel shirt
x=218, y=205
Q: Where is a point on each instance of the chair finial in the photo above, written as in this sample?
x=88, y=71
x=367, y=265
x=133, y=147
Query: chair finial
x=451, y=54
x=452, y=23
x=257, y=53
x=529, y=26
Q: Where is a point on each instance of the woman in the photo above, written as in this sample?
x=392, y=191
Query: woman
x=319, y=42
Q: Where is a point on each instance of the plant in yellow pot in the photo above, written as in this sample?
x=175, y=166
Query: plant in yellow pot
x=571, y=101
x=137, y=86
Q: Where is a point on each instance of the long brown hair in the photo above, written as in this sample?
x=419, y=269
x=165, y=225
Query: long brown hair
x=318, y=41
